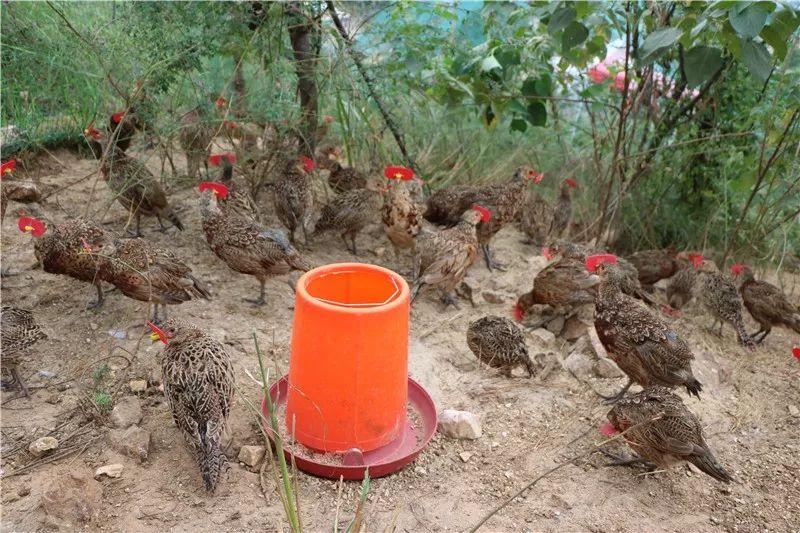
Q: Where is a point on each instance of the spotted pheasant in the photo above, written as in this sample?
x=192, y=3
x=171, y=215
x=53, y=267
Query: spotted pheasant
x=196, y=135
x=719, y=296
x=660, y=428
x=349, y=212
x=293, y=197
x=341, y=178
x=765, y=302
x=401, y=216
x=199, y=385
x=499, y=343
x=19, y=332
x=238, y=202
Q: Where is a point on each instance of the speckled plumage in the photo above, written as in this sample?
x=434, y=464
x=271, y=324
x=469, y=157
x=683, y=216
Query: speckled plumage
x=247, y=248
x=767, y=304
x=499, y=343
x=442, y=258
x=647, y=349
x=719, y=296
x=19, y=332
x=681, y=285
x=293, y=198
x=129, y=124
x=536, y=218
x=401, y=216
x=199, y=386
x=654, y=265
x=348, y=213
x=195, y=137
x=662, y=430
x=239, y=202
x=562, y=212
x=343, y=179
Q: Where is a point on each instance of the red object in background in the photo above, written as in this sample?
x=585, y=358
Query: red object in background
x=221, y=101
x=796, y=352
x=547, y=253
x=8, y=167
x=398, y=173
x=534, y=177
x=696, y=259
x=308, y=163
x=608, y=429
x=572, y=183
x=518, y=314
x=220, y=190
x=736, y=269
x=158, y=331
x=594, y=260
x=486, y=215
x=33, y=225
x=116, y=117
x=216, y=159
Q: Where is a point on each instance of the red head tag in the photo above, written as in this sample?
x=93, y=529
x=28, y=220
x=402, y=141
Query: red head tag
x=608, y=429
x=737, y=269
x=696, y=259
x=593, y=261
x=486, y=215
x=31, y=225
x=8, y=167
x=116, y=117
x=547, y=253
x=216, y=159
x=571, y=183
x=219, y=189
x=307, y=162
x=519, y=314
x=398, y=173
x=158, y=333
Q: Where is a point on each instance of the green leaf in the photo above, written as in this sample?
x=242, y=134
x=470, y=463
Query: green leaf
x=518, y=124
x=779, y=31
x=560, y=19
x=574, y=34
x=756, y=56
x=543, y=86
x=537, y=114
x=508, y=56
x=490, y=63
x=658, y=42
x=700, y=63
x=529, y=87
x=748, y=20
x=778, y=44
x=517, y=107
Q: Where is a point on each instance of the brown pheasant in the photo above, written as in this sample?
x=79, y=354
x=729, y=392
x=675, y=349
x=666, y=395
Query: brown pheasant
x=402, y=217
x=503, y=200
x=654, y=265
x=442, y=258
x=293, y=197
x=536, y=219
x=681, y=285
x=648, y=350
x=19, y=332
x=341, y=178
x=123, y=126
x=77, y=249
x=133, y=185
x=563, y=208
x=349, y=212
x=660, y=429
x=146, y=272
x=244, y=246
x=766, y=303
x=199, y=384
x=719, y=296
x=499, y=343
x=238, y=202
x=196, y=135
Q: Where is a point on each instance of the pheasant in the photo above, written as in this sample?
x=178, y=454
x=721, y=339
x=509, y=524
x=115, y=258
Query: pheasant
x=719, y=296
x=563, y=208
x=681, y=285
x=350, y=211
x=76, y=248
x=293, y=197
x=18, y=191
x=401, y=216
x=654, y=265
x=146, y=272
x=19, y=332
x=123, y=125
x=341, y=178
x=660, y=428
x=244, y=246
x=442, y=258
x=503, y=200
x=536, y=219
x=133, y=184
x=196, y=136
x=238, y=202
x=499, y=343
x=648, y=350
x=199, y=383
x=766, y=303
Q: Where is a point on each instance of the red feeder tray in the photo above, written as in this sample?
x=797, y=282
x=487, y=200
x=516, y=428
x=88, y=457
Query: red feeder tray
x=352, y=465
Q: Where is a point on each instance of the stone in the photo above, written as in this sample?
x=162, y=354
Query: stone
x=544, y=336
x=127, y=412
x=459, y=424
x=556, y=325
x=94, y=326
x=606, y=368
x=72, y=500
x=252, y=455
x=597, y=346
x=133, y=442
x=112, y=470
x=492, y=297
x=42, y=445
x=380, y=252
x=579, y=364
x=465, y=456
x=794, y=411
x=574, y=328
x=138, y=385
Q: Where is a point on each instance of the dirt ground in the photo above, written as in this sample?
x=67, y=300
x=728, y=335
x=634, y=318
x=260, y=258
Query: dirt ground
x=748, y=406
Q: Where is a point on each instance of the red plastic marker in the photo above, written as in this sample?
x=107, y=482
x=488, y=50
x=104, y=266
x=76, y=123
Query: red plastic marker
x=593, y=261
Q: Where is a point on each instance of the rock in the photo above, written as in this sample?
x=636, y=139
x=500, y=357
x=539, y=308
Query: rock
x=574, y=328
x=119, y=334
x=72, y=500
x=606, y=368
x=42, y=445
x=595, y=343
x=133, y=442
x=52, y=398
x=127, y=412
x=380, y=252
x=459, y=424
x=492, y=297
x=46, y=374
x=465, y=456
x=579, y=364
x=794, y=411
x=112, y=470
x=544, y=336
x=420, y=471
x=138, y=385
x=556, y=325
x=252, y=455
x=94, y=326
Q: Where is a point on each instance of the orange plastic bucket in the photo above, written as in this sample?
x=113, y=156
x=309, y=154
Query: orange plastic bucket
x=348, y=372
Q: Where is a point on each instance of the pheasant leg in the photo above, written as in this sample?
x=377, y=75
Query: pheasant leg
x=257, y=302
x=138, y=232
x=163, y=228
x=618, y=460
x=98, y=303
x=450, y=299
x=609, y=400
x=18, y=380
x=488, y=256
x=353, y=239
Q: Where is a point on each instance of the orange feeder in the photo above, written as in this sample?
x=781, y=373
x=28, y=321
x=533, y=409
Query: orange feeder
x=348, y=374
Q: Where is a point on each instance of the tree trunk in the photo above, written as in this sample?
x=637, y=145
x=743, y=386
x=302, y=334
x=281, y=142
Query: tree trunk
x=303, y=33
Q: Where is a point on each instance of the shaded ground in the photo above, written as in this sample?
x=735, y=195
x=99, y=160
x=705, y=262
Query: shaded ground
x=529, y=426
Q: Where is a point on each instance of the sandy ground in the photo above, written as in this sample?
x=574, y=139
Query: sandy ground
x=529, y=425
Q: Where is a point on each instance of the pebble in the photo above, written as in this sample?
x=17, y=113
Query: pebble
x=120, y=334
x=94, y=325
x=46, y=374
x=459, y=424
x=492, y=297
x=251, y=455
x=606, y=368
x=421, y=471
x=127, y=412
x=465, y=456
x=794, y=411
x=42, y=445
x=556, y=325
x=133, y=442
x=138, y=385
x=579, y=364
x=112, y=470
x=546, y=337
